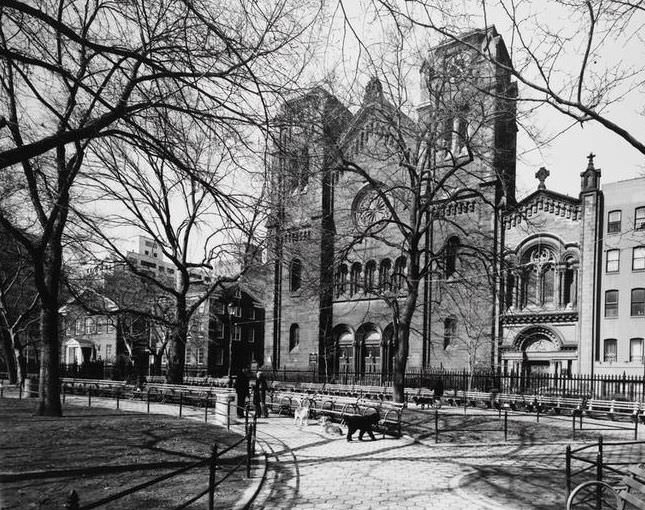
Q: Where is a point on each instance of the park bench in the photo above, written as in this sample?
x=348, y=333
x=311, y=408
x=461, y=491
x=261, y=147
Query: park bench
x=155, y=379
x=613, y=409
x=390, y=414
x=513, y=401
x=573, y=405
x=628, y=494
x=98, y=387
x=175, y=393
x=372, y=392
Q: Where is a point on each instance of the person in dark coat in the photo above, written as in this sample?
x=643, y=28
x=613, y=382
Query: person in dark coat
x=242, y=390
x=260, y=395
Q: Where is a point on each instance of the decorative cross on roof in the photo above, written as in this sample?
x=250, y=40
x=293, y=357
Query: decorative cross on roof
x=541, y=175
x=590, y=158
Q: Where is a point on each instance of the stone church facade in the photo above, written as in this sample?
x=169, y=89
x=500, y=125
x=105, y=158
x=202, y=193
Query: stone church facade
x=504, y=284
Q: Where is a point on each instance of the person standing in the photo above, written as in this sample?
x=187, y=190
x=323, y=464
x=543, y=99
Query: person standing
x=242, y=391
x=260, y=395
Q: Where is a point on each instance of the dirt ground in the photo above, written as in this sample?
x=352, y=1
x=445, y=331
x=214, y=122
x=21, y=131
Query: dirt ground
x=99, y=452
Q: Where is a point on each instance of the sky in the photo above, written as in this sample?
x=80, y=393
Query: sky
x=565, y=156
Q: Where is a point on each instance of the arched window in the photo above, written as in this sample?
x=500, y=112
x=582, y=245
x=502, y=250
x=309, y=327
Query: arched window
x=538, y=278
x=610, y=353
x=450, y=258
x=449, y=331
x=384, y=274
x=341, y=280
x=510, y=289
x=370, y=271
x=294, y=336
x=355, y=278
x=295, y=275
x=398, y=277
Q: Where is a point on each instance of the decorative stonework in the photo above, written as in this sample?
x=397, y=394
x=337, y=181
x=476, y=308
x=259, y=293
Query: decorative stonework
x=454, y=208
x=549, y=203
x=369, y=210
x=539, y=318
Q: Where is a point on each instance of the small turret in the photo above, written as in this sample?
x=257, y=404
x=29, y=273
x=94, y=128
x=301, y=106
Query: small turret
x=590, y=177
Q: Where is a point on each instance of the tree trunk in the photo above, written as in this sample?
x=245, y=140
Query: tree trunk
x=400, y=363
x=177, y=353
x=10, y=358
x=21, y=366
x=49, y=388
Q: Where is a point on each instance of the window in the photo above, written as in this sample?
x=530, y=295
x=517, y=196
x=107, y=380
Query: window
x=611, y=303
x=251, y=337
x=450, y=258
x=384, y=274
x=108, y=352
x=638, y=302
x=449, y=330
x=220, y=308
x=370, y=270
x=89, y=326
x=251, y=313
x=639, y=218
x=638, y=258
x=636, y=350
x=219, y=329
x=236, y=311
x=355, y=278
x=341, y=280
x=613, y=222
x=219, y=355
x=295, y=275
x=610, y=352
x=237, y=332
x=461, y=130
x=294, y=336
x=398, y=277
x=199, y=355
x=78, y=326
x=613, y=261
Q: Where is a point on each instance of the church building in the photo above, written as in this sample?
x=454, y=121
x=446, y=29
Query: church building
x=388, y=224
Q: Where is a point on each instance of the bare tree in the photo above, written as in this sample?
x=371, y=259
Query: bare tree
x=196, y=224
x=77, y=72
x=426, y=193
x=575, y=57
x=18, y=307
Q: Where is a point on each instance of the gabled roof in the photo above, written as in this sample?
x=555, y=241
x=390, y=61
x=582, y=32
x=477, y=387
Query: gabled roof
x=99, y=301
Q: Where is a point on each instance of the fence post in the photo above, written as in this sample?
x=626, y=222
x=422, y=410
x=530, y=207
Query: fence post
x=228, y=414
x=568, y=469
x=19, y=391
x=73, y=502
x=148, y=400
x=206, y=409
x=89, y=396
x=436, y=425
x=117, y=398
x=537, y=406
x=211, y=478
x=2, y=391
x=636, y=427
x=573, y=423
x=505, y=425
x=63, y=391
x=181, y=402
x=248, y=452
x=599, y=477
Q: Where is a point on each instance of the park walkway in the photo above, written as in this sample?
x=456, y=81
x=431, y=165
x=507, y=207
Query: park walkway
x=306, y=469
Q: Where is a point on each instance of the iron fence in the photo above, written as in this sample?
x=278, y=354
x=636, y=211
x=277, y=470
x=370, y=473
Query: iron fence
x=613, y=387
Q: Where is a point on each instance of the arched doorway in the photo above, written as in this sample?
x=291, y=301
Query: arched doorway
x=368, y=350
x=389, y=351
x=343, y=355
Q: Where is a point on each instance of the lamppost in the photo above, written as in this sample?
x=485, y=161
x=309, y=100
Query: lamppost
x=229, y=309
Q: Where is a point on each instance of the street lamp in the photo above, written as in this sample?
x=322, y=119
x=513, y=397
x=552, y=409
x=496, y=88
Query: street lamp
x=229, y=310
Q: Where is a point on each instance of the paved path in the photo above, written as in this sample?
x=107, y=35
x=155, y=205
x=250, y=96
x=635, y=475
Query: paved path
x=309, y=470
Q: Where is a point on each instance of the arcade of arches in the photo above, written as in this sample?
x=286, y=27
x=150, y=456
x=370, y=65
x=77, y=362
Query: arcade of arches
x=364, y=350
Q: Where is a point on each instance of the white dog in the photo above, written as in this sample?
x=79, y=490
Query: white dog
x=301, y=413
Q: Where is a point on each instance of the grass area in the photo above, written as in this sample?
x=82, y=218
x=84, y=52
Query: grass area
x=99, y=452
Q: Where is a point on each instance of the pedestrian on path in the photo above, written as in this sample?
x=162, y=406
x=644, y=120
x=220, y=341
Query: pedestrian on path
x=242, y=390
x=260, y=395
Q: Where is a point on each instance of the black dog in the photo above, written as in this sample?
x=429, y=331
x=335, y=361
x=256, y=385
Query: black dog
x=363, y=423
